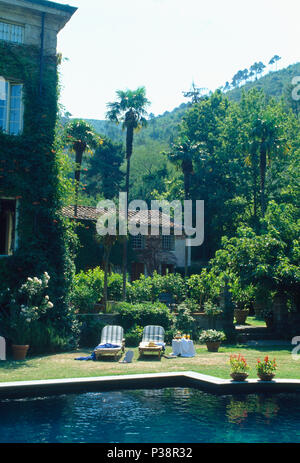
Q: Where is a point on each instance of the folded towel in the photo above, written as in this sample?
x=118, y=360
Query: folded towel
x=153, y=344
x=107, y=345
x=101, y=346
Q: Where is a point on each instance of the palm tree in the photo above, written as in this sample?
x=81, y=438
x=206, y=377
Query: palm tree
x=81, y=137
x=182, y=155
x=130, y=110
x=266, y=136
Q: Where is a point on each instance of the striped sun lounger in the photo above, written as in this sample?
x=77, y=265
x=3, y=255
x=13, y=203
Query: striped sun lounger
x=112, y=341
x=153, y=340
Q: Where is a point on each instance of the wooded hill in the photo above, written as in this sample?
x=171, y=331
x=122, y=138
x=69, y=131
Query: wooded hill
x=162, y=129
x=150, y=169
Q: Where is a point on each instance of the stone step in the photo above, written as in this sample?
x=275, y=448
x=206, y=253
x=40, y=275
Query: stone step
x=255, y=333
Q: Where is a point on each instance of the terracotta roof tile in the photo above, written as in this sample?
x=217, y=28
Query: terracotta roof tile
x=91, y=213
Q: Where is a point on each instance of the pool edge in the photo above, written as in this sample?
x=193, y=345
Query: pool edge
x=37, y=388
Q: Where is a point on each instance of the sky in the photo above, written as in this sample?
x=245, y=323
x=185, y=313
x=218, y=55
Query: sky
x=165, y=45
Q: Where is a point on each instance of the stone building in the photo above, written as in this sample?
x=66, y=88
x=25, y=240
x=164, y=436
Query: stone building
x=163, y=253
x=31, y=235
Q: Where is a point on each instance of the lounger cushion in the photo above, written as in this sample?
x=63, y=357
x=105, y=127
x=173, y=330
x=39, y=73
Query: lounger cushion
x=153, y=333
x=112, y=334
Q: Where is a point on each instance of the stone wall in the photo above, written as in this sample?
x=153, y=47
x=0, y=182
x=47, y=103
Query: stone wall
x=30, y=16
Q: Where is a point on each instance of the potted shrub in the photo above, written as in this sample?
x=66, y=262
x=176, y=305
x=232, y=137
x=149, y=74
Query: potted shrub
x=212, y=339
x=18, y=311
x=242, y=298
x=241, y=315
x=239, y=367
x=265, y=370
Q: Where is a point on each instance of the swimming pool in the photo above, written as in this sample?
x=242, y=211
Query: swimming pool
x=181, y=415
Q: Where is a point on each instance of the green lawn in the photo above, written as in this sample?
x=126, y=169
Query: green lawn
x=253, y=321
x=215, y=364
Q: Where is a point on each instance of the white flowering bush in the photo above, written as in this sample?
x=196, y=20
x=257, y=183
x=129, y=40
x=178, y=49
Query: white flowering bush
x=20, y=308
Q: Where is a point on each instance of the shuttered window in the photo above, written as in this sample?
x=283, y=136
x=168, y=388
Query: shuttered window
x=11, y=32
x=11, y=111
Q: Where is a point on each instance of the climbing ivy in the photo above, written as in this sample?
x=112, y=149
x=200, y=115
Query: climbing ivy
x=29, y=172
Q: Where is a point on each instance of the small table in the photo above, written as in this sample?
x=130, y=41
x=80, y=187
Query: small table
x=183, y=347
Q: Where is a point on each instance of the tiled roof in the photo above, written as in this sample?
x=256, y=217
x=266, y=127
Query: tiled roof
x=91, y=213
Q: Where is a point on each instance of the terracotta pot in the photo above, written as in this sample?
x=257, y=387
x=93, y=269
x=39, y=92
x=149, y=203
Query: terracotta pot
x=266, y=376
x=19, y=352
x=213, y=346
x=241, y=316
x=239, y=376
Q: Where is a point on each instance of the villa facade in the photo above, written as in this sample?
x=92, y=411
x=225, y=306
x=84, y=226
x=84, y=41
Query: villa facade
x=30, y=233
x=162, y=253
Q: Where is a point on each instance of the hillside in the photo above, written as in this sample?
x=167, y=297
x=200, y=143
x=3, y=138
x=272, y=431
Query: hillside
x=150, y=169
x=274, y=84
x=162, y=129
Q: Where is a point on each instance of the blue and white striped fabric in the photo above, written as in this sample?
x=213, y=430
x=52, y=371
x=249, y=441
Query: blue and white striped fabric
x=154, y=333
x=112, y=334
x=111, y=338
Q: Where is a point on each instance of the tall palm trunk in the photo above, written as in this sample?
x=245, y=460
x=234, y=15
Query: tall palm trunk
x=263, y=167
x=78, y=160
x=129, y=147
x=107, y=251
x=187, y=167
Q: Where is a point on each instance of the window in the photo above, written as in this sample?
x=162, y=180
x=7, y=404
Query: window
x=11, y=32
x=168, y=242
x=138, y=242
x=11, y=108
x=7, y=226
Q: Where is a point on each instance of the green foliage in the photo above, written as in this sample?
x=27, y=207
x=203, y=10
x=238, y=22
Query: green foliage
x=115, y=283
x=129, y=109
x=140, y=290
x=29, y=172
x=90, y=331
x=150, y=288
x=271, y=259
x=242, y=296
x=87, y=290
x=172, y=283
x=192, y=305
x=144, y=314
x=20, y=307
x=212, y=310
x=170, y=334
x=184, y=320
x=134, y=336
x=103, y=174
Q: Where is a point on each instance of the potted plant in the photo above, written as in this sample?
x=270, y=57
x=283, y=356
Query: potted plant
x=212, y=339
x=241, y=315
x=239, y=367
x=242, y=298
x=265, y=370
x=19, y=309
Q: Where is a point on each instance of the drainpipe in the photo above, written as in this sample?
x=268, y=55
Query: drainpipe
x=42, y=52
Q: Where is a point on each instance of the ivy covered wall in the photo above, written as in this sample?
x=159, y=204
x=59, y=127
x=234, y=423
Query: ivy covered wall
x=28, y=172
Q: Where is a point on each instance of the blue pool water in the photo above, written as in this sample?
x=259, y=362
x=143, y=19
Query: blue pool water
x=170, y=415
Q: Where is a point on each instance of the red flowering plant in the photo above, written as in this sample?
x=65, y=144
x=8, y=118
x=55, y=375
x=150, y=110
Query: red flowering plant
x=238, y=364
x=267, y=367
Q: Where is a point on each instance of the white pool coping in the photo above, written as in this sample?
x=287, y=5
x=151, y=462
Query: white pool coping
x=38, y=388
